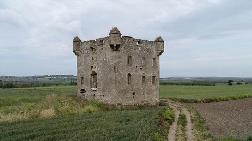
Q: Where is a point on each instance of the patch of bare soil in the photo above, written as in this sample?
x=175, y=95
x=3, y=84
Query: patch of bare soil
x=227, y=118
x=179, y=108
x=173, y=128
x=189, y=126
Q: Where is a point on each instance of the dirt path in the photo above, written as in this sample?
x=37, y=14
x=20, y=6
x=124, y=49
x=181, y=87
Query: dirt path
x=189, y=126
x=173, y=128
x=179, y=108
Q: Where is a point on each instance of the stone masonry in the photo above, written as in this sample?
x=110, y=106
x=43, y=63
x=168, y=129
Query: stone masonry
x=118, y=69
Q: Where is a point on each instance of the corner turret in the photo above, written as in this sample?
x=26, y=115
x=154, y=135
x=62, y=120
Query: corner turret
x=76, y=45
x=159, y=45
x=115, y=39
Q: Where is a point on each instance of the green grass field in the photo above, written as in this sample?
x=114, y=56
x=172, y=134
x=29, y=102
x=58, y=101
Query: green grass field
x=110, y=125
x=18, y=96
x=54, y=113
x=221, y=92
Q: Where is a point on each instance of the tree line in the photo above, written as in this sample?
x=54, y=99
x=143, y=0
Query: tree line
x=17, y=84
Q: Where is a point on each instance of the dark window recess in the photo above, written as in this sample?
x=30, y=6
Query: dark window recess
x=92, y=67
x=82, y=80
x=143, y=79
x=93, y=79
x=153, y=79
x=129, y=61
x=115, y=69
x=92, y=49
x=153, y=61
x=82, y=91
x=115, y=47
x=133, y=94
x=129, y=78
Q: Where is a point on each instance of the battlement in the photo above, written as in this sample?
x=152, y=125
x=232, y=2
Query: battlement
x=115, y=39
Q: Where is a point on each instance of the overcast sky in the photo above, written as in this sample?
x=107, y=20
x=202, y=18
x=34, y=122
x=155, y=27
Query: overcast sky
x=202, y=37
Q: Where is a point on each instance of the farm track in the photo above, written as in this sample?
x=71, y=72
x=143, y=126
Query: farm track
x=180, y=109
x=173, y=128
x=189, y=125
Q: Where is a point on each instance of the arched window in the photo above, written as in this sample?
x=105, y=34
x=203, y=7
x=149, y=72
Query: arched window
x=129, y=78
x=93, y=79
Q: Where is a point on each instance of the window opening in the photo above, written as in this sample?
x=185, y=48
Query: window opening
x=93, y=79
x=129, y=78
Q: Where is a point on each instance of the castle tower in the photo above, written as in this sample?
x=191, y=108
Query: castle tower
x=118, y=69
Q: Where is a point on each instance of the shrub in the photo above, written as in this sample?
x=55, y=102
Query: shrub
x=169, y=115
x=90, y=108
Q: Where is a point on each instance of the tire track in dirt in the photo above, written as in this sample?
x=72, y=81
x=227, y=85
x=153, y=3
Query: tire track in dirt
x=189, y=125
x=173, y=128
x=179, y=108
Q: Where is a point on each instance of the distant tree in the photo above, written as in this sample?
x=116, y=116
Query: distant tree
x=230, y=82
x=8, y=85
x=239, y=83
x=1, y=84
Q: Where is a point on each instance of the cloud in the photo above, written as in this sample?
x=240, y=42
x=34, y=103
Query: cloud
x=34, y=32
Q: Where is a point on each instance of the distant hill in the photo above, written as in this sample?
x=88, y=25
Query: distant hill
x=207, y=79
x=36, y=81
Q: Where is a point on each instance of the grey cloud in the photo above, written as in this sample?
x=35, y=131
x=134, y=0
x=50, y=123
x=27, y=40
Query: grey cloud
x=34, y=32
x=228, y=17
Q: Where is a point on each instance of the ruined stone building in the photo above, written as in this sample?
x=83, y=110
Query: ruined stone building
x=118, y=69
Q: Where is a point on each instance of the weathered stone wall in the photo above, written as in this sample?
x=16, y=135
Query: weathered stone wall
x=127, y=69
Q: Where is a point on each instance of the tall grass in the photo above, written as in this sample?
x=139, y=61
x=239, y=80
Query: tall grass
x=54, y=113
x=115, y=125
x=48, y=107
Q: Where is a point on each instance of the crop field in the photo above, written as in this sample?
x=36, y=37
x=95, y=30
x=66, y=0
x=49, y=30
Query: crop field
x=54, y=113
x=194, y=93
x=110, y=125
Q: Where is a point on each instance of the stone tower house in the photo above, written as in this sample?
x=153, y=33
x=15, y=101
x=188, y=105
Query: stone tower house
x=118, y=69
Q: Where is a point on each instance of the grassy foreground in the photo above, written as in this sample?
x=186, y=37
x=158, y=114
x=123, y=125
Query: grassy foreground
x=54, y=113
x=110, y=125
x=205, y=93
